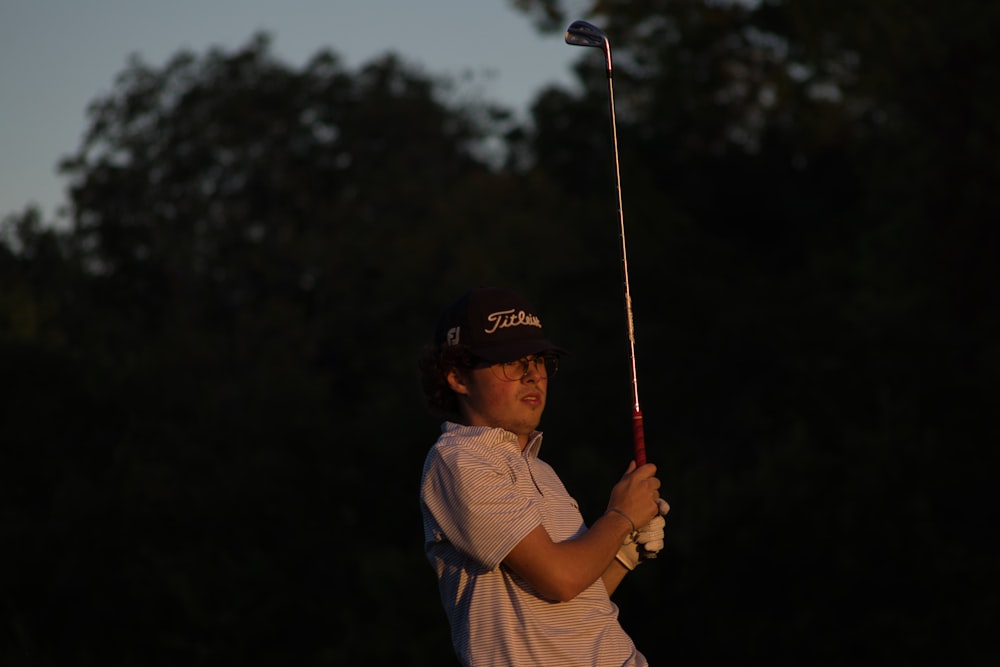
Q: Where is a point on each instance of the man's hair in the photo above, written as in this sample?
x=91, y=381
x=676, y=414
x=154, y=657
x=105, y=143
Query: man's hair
x=435, y=364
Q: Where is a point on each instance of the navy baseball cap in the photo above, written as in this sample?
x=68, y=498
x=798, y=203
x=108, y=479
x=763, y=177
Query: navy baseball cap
x=496, y=324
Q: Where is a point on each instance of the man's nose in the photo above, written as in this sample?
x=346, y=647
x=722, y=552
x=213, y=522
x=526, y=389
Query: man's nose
x=533, y=371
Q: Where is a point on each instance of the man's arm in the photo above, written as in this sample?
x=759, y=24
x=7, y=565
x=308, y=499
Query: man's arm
x=562, y=570
x=614, y=575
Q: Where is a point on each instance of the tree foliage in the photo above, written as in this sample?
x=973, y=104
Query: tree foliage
x=213, y=430
x=808, y=182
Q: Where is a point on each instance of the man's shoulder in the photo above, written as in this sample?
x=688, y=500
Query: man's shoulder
x=459, y=443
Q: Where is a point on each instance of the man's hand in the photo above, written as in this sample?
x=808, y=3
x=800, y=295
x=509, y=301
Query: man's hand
x=648, y=541
x=650, y=537
x=636, y=494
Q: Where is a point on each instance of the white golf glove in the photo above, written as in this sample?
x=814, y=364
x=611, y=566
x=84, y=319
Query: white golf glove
x=648, y=541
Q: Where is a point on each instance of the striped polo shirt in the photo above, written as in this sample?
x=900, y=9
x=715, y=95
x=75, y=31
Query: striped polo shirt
x=481, y=495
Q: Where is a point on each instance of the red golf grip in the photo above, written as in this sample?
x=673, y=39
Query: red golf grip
x=638, y=438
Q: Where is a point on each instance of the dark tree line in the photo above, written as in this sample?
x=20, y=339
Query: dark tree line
x=212, y=430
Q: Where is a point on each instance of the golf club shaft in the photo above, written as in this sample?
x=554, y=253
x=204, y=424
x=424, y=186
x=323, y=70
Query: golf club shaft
x=638, y=431
x=581, y=33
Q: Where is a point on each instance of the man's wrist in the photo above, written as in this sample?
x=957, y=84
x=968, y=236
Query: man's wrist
x=633, y=532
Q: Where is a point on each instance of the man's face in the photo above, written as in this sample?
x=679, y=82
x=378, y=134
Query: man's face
x=487, y=398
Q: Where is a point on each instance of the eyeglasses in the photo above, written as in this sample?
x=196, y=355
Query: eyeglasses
x=545, y=365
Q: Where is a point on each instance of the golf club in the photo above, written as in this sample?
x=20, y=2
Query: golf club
x=582, y=33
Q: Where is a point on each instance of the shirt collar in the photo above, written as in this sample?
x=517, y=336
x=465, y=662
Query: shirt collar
x=497, y=436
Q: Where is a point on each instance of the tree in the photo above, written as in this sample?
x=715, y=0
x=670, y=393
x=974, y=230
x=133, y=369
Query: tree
x=804, y=186
x=251, y=255
x=214, y=433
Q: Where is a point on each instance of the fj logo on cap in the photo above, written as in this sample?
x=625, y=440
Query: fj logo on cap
x=505, y=319
x=451, y=338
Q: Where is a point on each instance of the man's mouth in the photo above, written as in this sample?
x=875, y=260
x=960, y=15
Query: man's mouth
x=533, y=398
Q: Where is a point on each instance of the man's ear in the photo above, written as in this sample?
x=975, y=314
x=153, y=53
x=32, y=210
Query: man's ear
x=457, y=382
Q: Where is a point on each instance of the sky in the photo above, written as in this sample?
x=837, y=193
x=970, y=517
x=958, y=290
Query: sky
x=56, y=56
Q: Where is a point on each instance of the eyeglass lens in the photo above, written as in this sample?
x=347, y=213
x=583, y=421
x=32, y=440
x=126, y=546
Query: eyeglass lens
x=544, y=364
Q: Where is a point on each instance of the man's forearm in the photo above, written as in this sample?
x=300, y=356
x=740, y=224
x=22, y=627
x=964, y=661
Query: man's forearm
x=613, y=576
x=563, y=570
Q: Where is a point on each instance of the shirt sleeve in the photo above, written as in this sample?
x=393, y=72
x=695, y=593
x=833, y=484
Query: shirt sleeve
x=478, y=505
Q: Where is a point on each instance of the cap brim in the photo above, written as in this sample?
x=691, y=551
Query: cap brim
x=512, y=350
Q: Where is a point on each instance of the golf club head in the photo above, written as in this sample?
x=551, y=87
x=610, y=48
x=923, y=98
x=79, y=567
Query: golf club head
x=582, y=33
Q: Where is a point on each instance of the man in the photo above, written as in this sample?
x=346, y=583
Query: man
x=523, y=579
